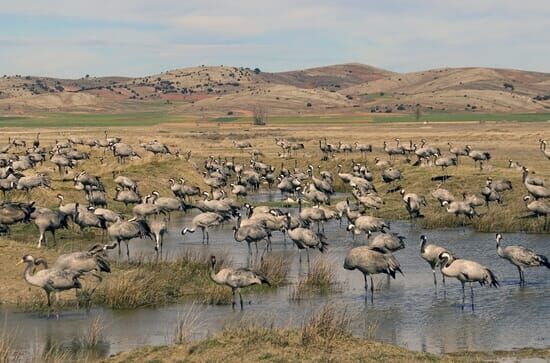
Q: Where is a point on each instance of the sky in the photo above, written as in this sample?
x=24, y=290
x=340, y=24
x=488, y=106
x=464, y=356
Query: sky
x=71, y=38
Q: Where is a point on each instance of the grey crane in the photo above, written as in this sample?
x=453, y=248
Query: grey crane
x=157, y=148
x=392, y=151
x=84, y=218
x=123, y=151
x=50, y=280
x=317, y=215
x=366, y=224
x=466, y=271
x=539, y=208
x=363, y=148
x=442, y=195
x=251, y=233
x=389, y=241
x=500, y=185
x=15, y=212
x=91, y=261
x=478, y=156
x=159, y=228
x=168, y=204
x=305, y=238
x=413, y=203
x=48, y=220
x=236, y=279
x=27, y=183
x=538, y=191
x=460, y=208
x=521, y=257
x=390, y=176
x=96, y=198
x=127, y=230
x=543, y=149
x=7, y=185
x=108, y=215
x=457, y=152
x=490, y=194
x=238, y=189
x=531, y=180
x=473, y=199
x=369, y=200
x=126, y=196
x=204, y=221
x=371, y=261
x=124, y=182
x=430, y=253
x=145, y=208
x=62, y=162
x=444, y=162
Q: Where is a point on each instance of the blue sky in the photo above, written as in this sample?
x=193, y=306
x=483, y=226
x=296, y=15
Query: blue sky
x=70, y=38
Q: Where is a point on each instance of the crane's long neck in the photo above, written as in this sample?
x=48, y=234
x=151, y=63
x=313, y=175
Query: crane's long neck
x=213, y=274
x=29, y=277
x=423, y=246
x=500, y=252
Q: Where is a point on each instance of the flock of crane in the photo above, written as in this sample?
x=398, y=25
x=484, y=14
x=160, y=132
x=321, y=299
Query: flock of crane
x=228, y=183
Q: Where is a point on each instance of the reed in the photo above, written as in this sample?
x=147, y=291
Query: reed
x=321, y=279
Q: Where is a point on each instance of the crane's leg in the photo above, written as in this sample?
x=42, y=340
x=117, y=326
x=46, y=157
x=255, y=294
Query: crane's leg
x=49, y=304
x=53, y=236
x=371, y=291
x=241, y=298
x=435, y=279
x=207, y=237
x=57, y=305
x=127, y=251
x=472, y=293
x=307, y=253
x=366, y=287
x=233, y=303
x=463, y=295
x=520, y=276
x=40, y=239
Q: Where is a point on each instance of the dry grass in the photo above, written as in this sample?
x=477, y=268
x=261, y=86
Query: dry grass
x=275, y=267
x=321, y=279
x=148, y=283
x=186, y=323
x=326, y=326
x=8, y=353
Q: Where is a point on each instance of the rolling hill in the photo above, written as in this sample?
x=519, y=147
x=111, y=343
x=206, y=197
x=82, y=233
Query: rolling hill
x=345, y=88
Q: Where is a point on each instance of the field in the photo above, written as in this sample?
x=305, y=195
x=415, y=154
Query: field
x=214, y=136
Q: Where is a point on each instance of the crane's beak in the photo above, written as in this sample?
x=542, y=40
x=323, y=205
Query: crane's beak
x=20, y=262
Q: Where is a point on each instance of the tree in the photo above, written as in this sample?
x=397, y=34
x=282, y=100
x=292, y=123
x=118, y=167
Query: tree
x=417, y=113
x=260, y=115
x=87, y=76
x=257, y=70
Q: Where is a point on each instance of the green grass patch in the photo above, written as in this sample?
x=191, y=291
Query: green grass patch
x=68, y=119
x=462, y=117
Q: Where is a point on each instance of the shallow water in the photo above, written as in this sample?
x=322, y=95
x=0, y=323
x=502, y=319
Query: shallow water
x=409, y=312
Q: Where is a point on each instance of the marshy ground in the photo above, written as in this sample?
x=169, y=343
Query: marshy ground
x=183, y=276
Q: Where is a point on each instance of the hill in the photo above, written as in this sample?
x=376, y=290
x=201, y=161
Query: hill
x=345, y=88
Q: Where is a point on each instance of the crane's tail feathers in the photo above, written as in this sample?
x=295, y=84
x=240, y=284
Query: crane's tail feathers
x=493, y=279
x=103, y=264
x=544, y=261
x=264, y=280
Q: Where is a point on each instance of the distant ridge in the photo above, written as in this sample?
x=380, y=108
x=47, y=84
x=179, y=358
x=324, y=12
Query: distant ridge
x=341, y=88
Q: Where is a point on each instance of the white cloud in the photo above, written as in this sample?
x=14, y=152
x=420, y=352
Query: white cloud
x=144, y=36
